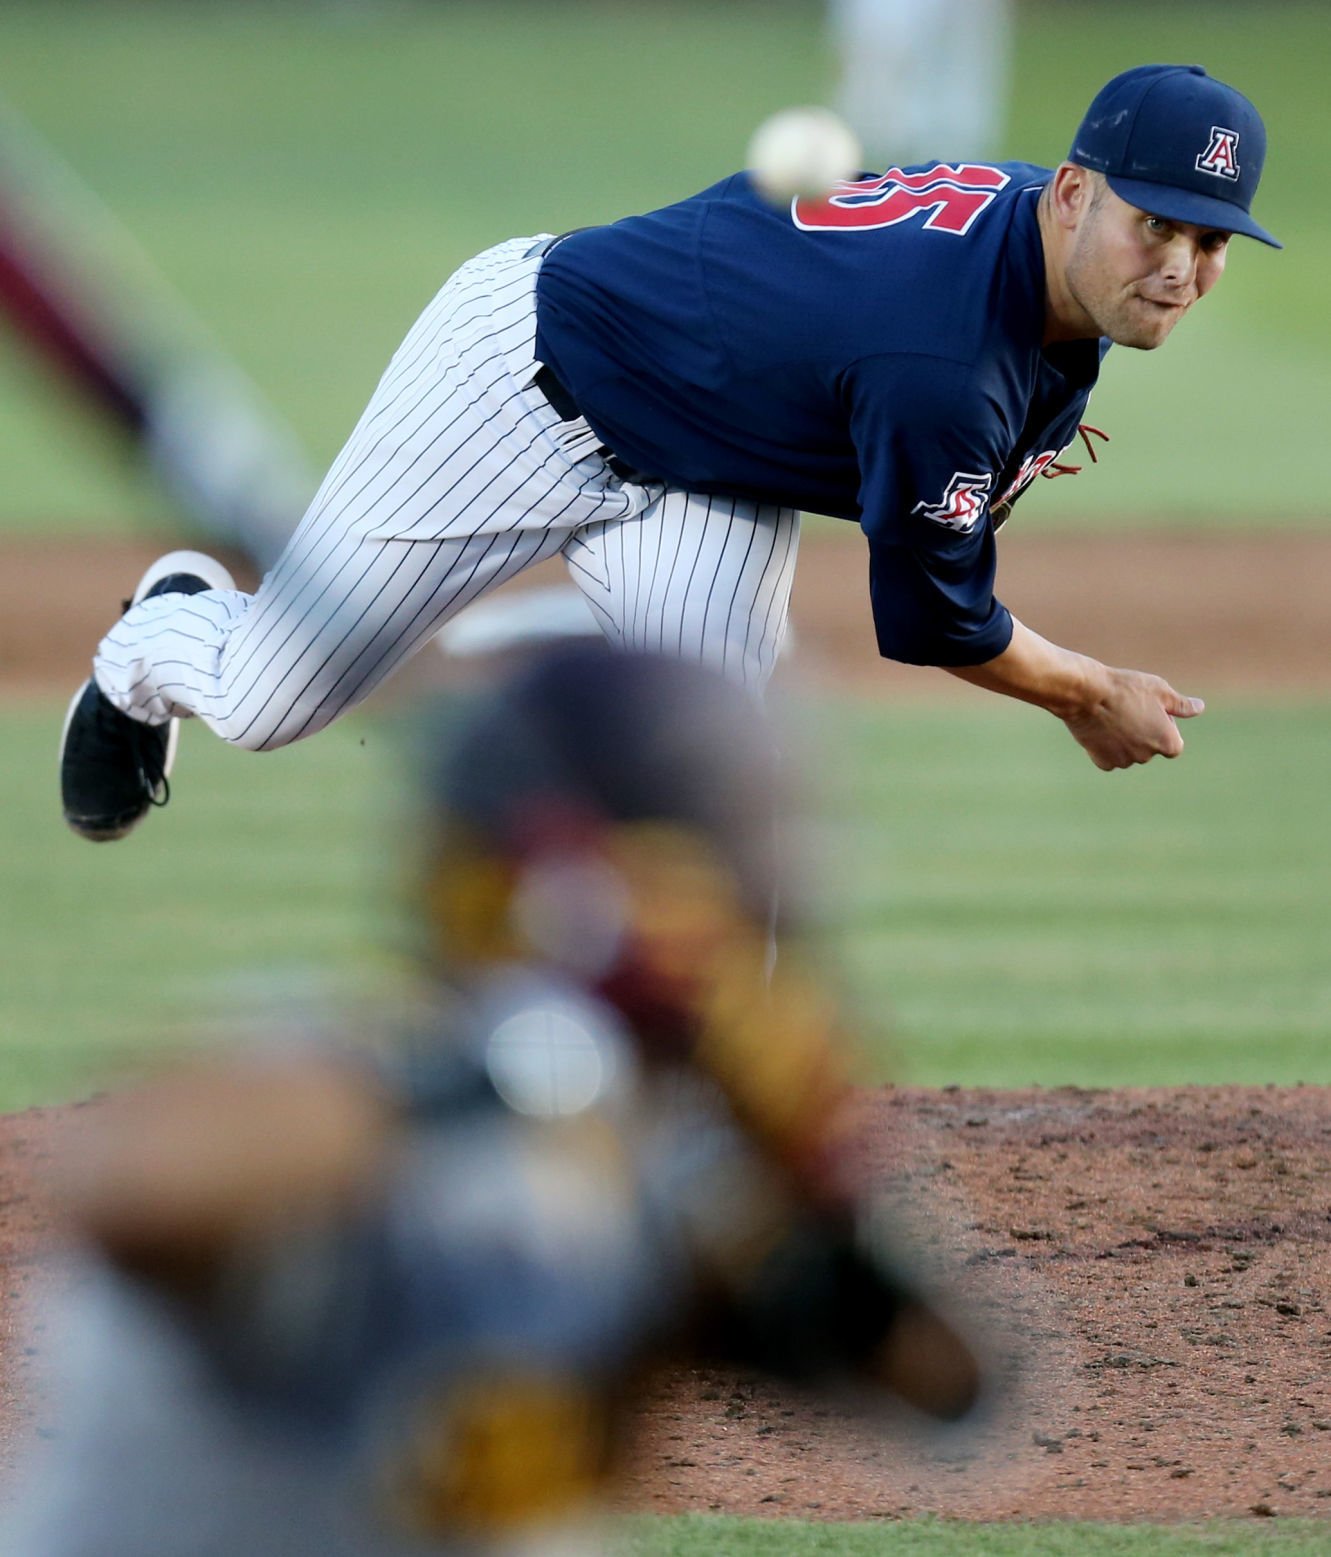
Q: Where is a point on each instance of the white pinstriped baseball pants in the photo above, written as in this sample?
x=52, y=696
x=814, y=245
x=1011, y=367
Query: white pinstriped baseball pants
x=458, y=475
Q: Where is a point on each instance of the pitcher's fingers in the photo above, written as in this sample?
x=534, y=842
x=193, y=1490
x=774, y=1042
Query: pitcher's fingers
x=1183, y=707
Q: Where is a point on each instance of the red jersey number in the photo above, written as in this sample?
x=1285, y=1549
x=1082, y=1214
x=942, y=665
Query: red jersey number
x=952, y=196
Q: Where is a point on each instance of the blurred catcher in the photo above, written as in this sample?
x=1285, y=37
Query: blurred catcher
x=343, y=1307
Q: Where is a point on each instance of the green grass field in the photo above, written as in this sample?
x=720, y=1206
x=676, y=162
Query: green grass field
x=1030, y=919
x=940, y=1538
x=999, y=912
x=252, y=885
x=305, y=176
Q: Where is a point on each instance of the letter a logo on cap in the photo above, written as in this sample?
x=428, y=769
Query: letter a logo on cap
x=1221, y=157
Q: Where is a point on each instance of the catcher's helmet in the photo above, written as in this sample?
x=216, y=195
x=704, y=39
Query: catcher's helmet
x=582, y=736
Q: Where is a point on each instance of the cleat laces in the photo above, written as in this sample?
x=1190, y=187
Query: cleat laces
x=114, y=736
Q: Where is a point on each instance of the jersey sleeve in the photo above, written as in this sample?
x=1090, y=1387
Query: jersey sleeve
x=930, y=444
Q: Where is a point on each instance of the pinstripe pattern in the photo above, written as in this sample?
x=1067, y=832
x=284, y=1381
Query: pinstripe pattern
x=458, y=475
x=704, y=578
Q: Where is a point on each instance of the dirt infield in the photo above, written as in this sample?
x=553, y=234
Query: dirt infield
x=1164, y=1254
x=1211, y=612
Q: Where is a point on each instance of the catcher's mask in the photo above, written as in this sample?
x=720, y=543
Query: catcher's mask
x=611, y=816
x=589, y=774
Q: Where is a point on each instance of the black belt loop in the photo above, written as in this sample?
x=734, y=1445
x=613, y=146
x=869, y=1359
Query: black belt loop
x=561, y=402
x=543, y=247
x=566, y=409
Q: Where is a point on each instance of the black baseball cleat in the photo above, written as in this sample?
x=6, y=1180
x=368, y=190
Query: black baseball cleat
x=113, y=769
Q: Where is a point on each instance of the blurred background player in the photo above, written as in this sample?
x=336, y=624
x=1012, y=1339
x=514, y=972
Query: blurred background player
x=924, y=78
x=334, y=1305
x=77, y=288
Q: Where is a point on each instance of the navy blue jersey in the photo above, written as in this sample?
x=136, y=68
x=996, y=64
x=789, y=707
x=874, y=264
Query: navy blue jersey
x=876, y=356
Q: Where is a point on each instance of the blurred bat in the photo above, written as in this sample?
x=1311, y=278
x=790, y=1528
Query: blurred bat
x=81, y=291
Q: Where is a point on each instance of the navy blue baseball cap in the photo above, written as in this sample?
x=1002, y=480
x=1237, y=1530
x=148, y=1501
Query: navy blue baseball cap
x=1176, y=142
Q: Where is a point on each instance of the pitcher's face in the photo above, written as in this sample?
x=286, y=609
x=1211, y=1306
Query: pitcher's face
x=1135, y=274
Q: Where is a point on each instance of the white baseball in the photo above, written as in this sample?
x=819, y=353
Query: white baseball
x=802, y=151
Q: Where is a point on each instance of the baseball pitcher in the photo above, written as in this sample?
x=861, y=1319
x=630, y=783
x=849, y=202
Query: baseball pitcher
x=657, y=399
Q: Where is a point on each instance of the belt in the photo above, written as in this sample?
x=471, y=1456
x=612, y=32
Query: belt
x=565, y=407
x=543, y=245
x=559, y=399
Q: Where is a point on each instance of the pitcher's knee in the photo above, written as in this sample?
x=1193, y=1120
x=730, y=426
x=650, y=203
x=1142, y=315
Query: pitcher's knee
x=236, y=731
x=273, y=726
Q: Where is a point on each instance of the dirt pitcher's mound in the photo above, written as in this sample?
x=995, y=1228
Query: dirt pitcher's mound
x=1162, y=1258
x=1159, y=1258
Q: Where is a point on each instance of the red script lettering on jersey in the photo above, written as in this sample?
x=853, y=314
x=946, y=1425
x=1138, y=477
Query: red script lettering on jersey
x=952, y=195
x=963, y=504
x=1032, y=466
